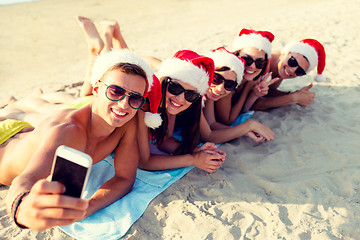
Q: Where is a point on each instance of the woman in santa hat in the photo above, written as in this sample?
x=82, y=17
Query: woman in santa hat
x=255, y=48
x=295, y=59
x=184, y=79
x=229, y=71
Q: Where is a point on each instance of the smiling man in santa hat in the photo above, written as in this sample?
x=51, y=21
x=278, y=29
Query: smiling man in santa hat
x=295, y=60
x=121, y=81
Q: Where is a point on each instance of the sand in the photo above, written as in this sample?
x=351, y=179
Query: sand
x=303, y=185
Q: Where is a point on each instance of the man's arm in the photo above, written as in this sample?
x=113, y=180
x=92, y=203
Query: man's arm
x=302, y=97
x=44, y=206
x=125, y=162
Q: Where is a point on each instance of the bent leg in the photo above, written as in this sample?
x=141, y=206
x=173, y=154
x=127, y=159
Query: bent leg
x=34, y=104
x=95, y=46
x=106, y=30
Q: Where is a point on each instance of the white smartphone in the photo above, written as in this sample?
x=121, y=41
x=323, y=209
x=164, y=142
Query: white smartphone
x=71, y=167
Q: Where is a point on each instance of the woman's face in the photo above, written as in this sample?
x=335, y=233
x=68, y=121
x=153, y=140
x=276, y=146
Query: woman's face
x=252, y=71
x=215, y=92
x=299, y=65
x=177, y=103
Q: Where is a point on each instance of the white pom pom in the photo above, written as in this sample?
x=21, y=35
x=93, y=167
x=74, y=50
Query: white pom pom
x=319, y=78
x=152, y=120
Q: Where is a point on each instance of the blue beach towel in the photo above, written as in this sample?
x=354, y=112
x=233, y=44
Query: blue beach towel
x=113, y=221
x=242, y=118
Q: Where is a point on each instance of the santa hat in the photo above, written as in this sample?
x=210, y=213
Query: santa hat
x=224, y=58
x=153, y=118
x=105, y=61
x=313, y=51
x=189, y=67
x=258, y=39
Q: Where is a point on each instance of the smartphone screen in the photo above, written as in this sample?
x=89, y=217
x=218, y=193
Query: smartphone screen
x=70, y=174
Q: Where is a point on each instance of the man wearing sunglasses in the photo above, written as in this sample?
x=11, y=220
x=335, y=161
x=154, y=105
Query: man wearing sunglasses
x=121, y=80
x=295, y=60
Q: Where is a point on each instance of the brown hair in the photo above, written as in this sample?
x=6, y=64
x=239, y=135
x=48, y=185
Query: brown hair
x=188, y=121
x=237, y=53
x=222, y=69
x=128, y=68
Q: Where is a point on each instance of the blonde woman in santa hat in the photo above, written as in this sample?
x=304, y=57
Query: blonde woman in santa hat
x=295, y=59
x=255, y=48
x=229, y=71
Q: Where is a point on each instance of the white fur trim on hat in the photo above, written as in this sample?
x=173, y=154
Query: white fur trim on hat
x=152, y=120
x=105, y=61
x=304, y=49
x=185, y=71
x=253, y=40
x=224, y=59
x=320, y=78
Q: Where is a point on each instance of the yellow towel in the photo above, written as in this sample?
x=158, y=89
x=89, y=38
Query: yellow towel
x=80, y=102
x=10, y=127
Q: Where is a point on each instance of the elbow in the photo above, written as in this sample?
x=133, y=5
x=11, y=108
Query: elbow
x=143, y=165
x=228, y=121
x=210, y=138
x=258, y=106
x=128, y=182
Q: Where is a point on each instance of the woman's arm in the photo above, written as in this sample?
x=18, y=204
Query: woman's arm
x=227, y=113
x=219, y=133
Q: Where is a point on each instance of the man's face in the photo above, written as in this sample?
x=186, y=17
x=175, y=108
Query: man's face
x=117, y=113
x=286, y=71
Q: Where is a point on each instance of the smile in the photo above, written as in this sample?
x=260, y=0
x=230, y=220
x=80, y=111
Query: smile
x=118, y=113
x=286, y=72
x=216, y=95
x=249, y=72
x=175, y=104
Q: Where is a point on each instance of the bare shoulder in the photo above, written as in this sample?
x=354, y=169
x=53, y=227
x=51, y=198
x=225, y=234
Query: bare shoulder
x=130, y=127
x=66, y=125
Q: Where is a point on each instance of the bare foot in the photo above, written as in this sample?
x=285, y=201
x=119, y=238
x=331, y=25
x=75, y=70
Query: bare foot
x=94, y=41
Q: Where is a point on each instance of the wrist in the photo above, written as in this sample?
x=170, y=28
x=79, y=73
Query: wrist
x=15, y=208
x=192, y=160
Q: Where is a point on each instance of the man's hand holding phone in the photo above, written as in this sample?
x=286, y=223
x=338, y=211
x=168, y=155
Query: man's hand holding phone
x=57, y=202
x=46, y=206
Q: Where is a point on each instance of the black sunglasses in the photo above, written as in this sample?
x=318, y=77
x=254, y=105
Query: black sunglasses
x=176, y=89
x=292, y=62
x=259, y=62
x=117, y=93
x=229, y=85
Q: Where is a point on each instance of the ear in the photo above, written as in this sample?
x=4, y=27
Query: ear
x=95, y=89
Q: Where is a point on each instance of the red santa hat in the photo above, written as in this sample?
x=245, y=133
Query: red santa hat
x=153, y=118
x=258, y=39
x=224, y=58
x=189, y=67
x=313, y=51
x=105, y=61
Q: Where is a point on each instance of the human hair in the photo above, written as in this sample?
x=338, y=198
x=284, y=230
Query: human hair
x=237, y=53
x=222, y=69
x=128, y=68
x=188, y=121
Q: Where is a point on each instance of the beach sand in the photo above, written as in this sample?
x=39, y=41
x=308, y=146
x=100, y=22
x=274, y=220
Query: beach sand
x=303, y=185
